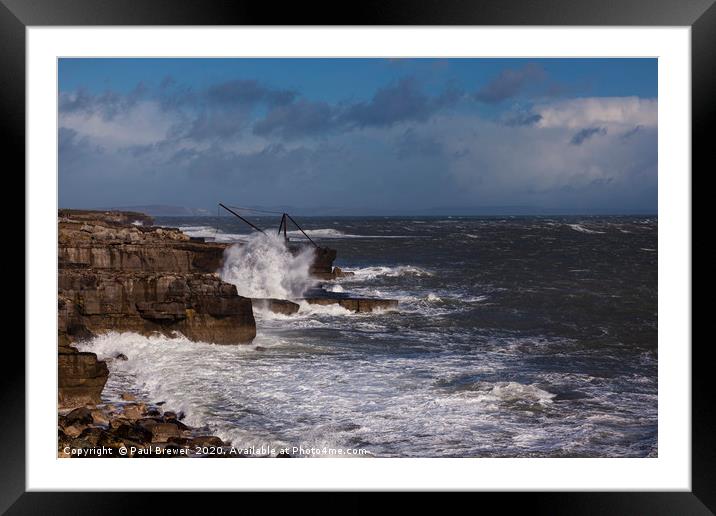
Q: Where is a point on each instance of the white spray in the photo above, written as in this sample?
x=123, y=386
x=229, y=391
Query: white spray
x=264, y=268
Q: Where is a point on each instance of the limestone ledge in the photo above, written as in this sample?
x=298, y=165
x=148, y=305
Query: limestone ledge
x=200, y=306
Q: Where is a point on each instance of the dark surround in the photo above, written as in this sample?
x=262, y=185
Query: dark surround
x=15, y=15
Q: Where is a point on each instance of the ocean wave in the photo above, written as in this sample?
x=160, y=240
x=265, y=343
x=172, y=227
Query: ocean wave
x=306, y=308
x=506, y=392
x=212, y=234
x=509, y=391
x=474, y=299
x=330, y=233
x=582, y=229
x=278, y=391
x=217, y=235
x=265, y=268
x=323, y=233
x=367, y=273
x=155, y=370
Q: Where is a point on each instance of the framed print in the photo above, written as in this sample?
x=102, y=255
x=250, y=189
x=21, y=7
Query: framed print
x=432, y=247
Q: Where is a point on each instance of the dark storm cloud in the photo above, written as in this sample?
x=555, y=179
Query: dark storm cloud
x=399, y=145
x=509, y=83
x=399, y=102
x=521, y=118
x=298, y=119
x=212, y=125
x=234, y=94
x=581, y=136
x=631, y=132
x=223, y=95
x=224, y=110
x=247, y=92
x=173, y=96
x=403, y=101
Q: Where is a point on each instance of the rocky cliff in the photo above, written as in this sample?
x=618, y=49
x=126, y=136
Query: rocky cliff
x=119, y=273
x=109, y=242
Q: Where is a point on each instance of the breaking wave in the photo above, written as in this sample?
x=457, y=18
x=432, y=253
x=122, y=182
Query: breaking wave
x=264, y=268
x=252, y=396
x=367, y=273
x=514, y=392
x=331, y=233
x=323, y=233
x=212, y=234
x=313, y=309
x=582, y=229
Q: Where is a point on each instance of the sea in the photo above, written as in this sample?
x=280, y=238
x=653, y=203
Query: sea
x=513, y=337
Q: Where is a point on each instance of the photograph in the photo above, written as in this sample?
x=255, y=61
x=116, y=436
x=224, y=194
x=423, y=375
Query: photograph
x=385, y=257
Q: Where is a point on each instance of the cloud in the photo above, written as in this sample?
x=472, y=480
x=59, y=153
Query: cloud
x=135, y=123
x=599, y=111
x=211, y=125
x=400, y=102
x=510, y=82
x=402, y=147
x=298, y=119
x=412, y=144
x=74, y=149
x=247, y=92
x=65, y=138
x=108, y=104
x=493, y=163
x=585, y=134
x=520, y=118
x=216, y=112
x=217, y=165
x=631, y=132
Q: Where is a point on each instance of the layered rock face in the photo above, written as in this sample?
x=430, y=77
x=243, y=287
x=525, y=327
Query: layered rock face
x=118, y=273
x=119, y=217
x=102, y=243
x=200, y=306
x=81, y=378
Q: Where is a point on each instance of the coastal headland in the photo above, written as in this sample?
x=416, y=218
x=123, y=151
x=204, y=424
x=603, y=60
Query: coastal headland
x=117, y=272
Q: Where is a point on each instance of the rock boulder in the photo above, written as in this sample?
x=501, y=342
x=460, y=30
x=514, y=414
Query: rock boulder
x=277, y=306
x=81, y=378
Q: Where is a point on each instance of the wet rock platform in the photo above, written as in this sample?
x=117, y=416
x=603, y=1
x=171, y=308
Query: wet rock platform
x=320, y=296
x=277, y=306
x=355, y=304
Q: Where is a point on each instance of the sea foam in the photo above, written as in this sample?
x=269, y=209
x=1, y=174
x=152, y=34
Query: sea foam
x=368, y=273
x=582, y=229
x=264, y=268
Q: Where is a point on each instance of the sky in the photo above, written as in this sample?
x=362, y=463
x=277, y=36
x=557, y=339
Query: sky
x=360, y=136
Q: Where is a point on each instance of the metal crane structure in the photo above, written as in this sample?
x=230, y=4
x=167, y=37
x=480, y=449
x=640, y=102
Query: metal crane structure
x=283, y=226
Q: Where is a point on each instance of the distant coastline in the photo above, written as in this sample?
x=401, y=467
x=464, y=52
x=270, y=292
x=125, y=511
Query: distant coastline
x=160, y=210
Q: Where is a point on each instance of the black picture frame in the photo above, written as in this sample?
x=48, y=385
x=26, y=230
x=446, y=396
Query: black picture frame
x=17, y=15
